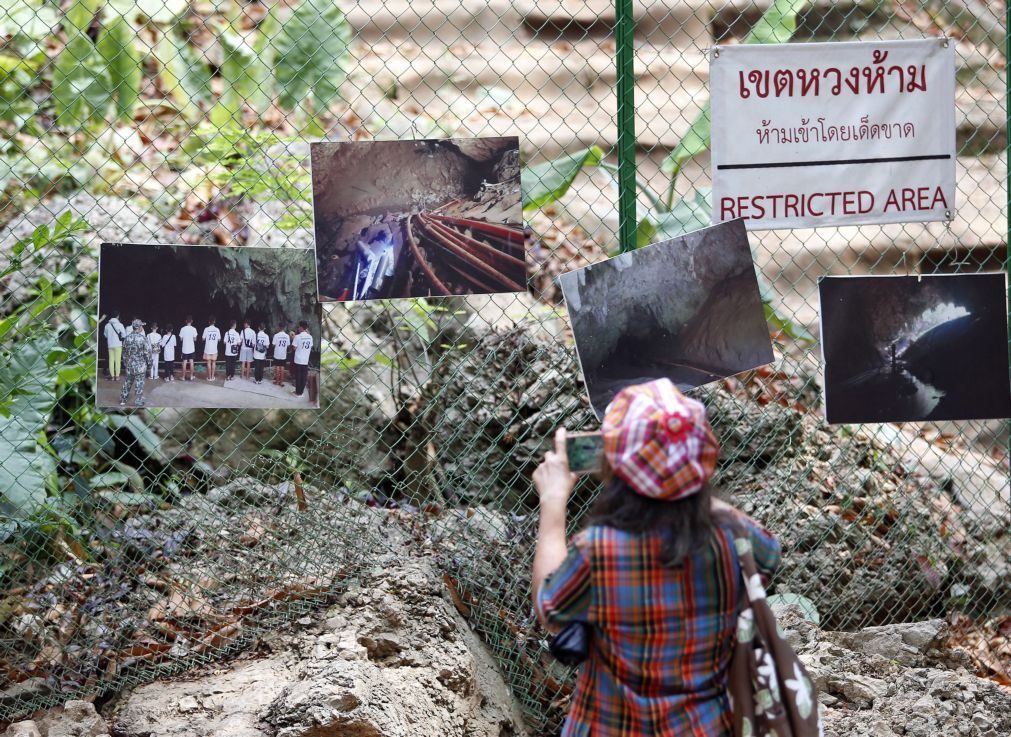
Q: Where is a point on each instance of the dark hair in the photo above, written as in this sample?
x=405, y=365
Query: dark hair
x=189, y=318
x=304, y=324
x=170, y=327
x=115, y=313
x=262, y=325
x=688, y=522
x=211, y=319
x=231, y=323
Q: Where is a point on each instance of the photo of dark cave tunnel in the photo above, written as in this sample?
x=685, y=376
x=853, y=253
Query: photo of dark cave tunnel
x=162, y=285
x=687, y=309
x=418, y=218
x=915, y=348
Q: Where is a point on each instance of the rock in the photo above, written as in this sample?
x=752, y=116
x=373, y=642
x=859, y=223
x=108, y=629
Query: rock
x=74, y=719
x=482, y=149
x=22, y=729
x=859, y=688
x=231, y=702
x=490, y=426
x=19, y=697
x=904, y=643
x=245, y=489
x=401, y=661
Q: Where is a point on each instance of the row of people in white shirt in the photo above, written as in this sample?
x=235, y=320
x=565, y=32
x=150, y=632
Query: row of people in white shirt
x=245, y=347
x=247, y=344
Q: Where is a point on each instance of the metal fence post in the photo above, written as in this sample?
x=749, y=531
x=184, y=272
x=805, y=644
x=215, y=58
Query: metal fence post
x=1007, y=175
x=624, y=38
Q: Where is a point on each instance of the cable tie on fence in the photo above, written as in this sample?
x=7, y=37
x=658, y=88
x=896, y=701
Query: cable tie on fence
x=713, y=52
x=944, y=41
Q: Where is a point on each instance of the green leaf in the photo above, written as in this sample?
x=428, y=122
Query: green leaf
x=133, y=477
x=778, y=23
x=183, y=72
x=31, y=19
x=785, y=325
x=28, y=386
x=124, y=64
x=238, y=83
x=40, y=236
x=129, y=498
x=73, y=373
x=547, y=182
x=311, y=51
x=645, y=231
x=142, y=434
x=382, y=359
x=694, y=142
x=109, y=480
x=65, y=220
x=686, y=215
x=261, y=93
x=80, y=80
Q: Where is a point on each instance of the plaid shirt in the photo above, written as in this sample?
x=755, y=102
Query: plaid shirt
x=662, y=638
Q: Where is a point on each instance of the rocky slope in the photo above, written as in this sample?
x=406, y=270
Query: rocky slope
x=393, y=658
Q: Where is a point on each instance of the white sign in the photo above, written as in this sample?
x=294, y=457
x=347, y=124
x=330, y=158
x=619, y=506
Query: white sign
x=833, y=133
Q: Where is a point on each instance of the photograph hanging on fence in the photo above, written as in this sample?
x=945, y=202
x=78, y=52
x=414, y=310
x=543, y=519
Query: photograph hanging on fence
x=207, y=326
x=423, y=218
x=915, y=348
x=687, y=309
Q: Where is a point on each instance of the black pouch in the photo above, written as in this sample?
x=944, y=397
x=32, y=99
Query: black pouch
x=571, y=645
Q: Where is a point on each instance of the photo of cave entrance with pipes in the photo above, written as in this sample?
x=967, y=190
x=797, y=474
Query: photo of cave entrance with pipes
x=423, y=218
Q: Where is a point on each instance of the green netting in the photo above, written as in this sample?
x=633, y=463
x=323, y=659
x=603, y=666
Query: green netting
x=143, y=543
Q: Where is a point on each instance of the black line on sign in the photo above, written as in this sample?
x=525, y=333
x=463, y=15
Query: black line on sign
x=834, y=162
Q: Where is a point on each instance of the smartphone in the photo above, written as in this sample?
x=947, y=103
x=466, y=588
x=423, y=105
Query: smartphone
x=585, y=451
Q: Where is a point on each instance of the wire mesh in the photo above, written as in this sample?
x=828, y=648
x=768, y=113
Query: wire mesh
x=140, y=544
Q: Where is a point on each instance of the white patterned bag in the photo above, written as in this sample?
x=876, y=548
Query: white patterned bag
x=770, y=691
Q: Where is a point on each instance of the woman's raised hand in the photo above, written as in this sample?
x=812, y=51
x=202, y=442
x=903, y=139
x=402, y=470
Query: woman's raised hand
x=552, y=479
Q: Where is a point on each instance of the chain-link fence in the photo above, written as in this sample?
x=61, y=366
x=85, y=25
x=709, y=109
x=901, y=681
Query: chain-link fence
x=137, y=544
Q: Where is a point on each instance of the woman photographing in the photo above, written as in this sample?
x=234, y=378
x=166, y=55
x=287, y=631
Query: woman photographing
x=654, y=575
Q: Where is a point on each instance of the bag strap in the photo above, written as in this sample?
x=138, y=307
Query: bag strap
x=794, y=708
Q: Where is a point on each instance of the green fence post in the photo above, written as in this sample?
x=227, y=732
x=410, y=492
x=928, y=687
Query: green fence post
x=624, y=32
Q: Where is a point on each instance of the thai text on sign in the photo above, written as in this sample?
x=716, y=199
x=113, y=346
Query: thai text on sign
x=833, y=133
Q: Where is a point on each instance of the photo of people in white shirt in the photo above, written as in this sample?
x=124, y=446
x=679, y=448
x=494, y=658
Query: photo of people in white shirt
x=196, y=307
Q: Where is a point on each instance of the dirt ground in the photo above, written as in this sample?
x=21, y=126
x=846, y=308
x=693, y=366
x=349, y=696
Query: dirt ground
x=238, y=393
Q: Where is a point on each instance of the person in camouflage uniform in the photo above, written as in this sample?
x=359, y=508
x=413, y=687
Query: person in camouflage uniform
x=136, y=363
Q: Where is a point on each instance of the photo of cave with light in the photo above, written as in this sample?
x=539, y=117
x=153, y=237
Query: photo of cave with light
x=915, y=348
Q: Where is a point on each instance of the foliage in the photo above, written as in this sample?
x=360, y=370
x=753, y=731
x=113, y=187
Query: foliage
x=61, y=459
x=291, y=59
x=28, y=377
x=235, y=158
x=296, y=57
x=668, y=218
x=311, y=50
x=92, y=76
x=548, y=182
